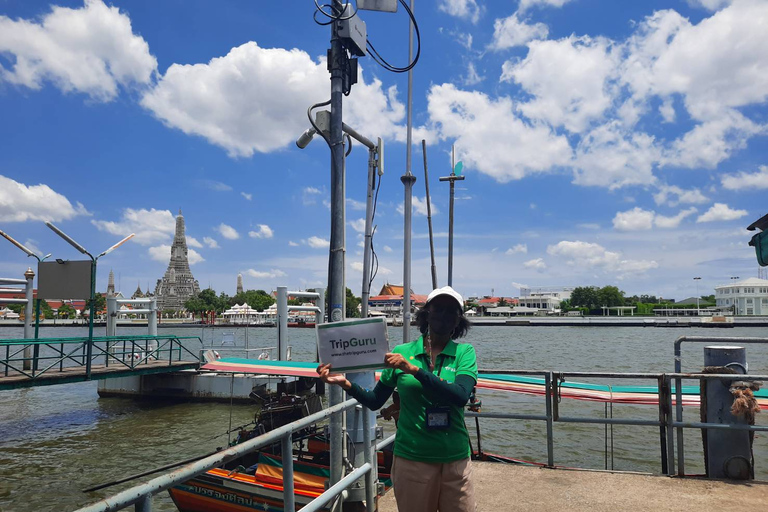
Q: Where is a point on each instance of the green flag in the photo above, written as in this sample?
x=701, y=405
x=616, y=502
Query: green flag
x=458, y=168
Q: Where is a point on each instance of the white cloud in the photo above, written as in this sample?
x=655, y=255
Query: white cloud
x=472, y=78
x=228, y=232
x=264, y=231
x=518, y=249
x=711, y=5
x=665, y=193
x=308, y=195
x=354, y=205
x=356, y=266
x=489, y=136
x=387, y=248
x=419, y=205
x=638, y=219
x=32, y=246
x=519, y=285
x=292, y=244
x=20, y=203
x=536, y=264
x=635, y=219
x=612, y=157
x=747, y=181
x=595, y=256
x=721, y=212
x=358, y=225
x=91, y=50
x=674, y=221
x=193, y=242
x=151, y=226
x=318, y=243
x=465, y=9
x=214, y=185
x=254, y=99
x=246, y=196
x=273, y=273
x=510, y=32
x=162, y=253
x=211, y=243
x=568, y=78
x=526, y=4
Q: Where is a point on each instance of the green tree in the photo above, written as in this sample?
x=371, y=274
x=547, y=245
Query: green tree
x=565, y=305
x=502, y=302
x=257, y=299
x=352, y=304
x=67, y=311
x=100, y=303
x=585, y=296
x=610, y=296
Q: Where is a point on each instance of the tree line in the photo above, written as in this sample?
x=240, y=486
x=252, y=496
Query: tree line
x=592, y=299
x=207, y=300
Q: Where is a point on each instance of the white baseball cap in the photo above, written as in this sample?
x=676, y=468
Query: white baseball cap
x=446, y=290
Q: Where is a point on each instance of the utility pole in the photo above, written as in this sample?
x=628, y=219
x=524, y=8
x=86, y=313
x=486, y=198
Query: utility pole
x=452, y=178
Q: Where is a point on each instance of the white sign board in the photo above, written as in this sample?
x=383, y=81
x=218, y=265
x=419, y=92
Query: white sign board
x=353, y=345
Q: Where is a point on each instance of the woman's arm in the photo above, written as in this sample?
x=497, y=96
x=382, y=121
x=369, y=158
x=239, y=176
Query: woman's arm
x=372, y=399
x=456, y=393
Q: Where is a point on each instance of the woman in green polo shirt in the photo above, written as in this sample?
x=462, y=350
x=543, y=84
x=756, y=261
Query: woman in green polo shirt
x=434, y=376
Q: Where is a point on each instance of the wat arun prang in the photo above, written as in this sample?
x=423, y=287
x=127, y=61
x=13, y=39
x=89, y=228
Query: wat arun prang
x=178, y=284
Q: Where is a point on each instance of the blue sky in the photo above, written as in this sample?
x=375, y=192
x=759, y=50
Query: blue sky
x=603, y=142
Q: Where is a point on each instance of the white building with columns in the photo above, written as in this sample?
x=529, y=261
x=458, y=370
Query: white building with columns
x=746, y=296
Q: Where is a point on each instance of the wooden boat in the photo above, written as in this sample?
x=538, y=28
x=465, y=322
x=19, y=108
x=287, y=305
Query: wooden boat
x=255, y=482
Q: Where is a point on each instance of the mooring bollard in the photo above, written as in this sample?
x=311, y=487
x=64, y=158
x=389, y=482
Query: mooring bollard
x=727, y=453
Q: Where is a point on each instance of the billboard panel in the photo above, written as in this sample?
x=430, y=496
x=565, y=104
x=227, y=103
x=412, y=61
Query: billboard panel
x=65, y=280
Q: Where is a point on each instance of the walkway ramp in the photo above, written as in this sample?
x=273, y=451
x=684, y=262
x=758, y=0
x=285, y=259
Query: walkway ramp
x=504, y=487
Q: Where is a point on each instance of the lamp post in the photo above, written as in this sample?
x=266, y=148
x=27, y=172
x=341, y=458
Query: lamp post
x=697, y=279
x=37, y=302
x=92, y=301
x=733, y=278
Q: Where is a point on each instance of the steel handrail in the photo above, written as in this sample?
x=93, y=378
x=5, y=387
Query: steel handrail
x=142, y=494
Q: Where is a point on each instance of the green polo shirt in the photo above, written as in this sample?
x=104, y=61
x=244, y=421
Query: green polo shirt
x=414, y=441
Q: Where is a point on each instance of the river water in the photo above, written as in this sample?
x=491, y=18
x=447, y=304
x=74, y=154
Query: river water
x=57, y=440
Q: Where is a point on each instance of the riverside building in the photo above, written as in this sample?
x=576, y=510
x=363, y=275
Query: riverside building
x=744, y=297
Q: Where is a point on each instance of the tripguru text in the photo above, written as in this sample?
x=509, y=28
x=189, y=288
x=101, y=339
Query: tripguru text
x=352, y=342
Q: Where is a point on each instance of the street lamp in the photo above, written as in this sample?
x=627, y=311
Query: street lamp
x=92, y=301
x=733, y=278
x=697, y=279
x=37, y=302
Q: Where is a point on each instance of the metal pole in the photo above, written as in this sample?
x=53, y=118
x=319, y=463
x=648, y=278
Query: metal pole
x=550, y=389
x=408, y=180
x=37, y=328
x=287, y=453
x=451, y=178
x=366, y=289
x=336, y=288
x=282, y=321
x=28, y=294
x=429, y=216
x=89, y=349
x=369, y=454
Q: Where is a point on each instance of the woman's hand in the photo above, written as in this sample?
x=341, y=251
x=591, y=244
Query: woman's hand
x=324, y=371
x=398, y=362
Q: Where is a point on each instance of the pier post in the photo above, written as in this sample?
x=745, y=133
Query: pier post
x=282, y=321
x=29, y=275
x=727, y=454
x=111, y=316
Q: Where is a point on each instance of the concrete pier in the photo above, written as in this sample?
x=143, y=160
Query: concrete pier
x=503, y=487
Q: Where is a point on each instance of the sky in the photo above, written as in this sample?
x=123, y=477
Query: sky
x=603, y=142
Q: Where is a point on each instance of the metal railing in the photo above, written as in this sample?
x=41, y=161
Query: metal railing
x=52, y=355
x=141, y=495
x=666, y=423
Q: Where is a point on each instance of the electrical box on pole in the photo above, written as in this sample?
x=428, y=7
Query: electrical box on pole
x=352, y=32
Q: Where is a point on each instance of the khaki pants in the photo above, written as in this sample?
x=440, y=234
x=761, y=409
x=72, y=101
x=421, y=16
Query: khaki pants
x=428, y=487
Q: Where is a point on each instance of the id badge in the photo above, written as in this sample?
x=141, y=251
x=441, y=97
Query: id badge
x=438, y=418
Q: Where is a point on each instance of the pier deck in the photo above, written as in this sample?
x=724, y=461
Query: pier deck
x=501, y=487
x=77, y=373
